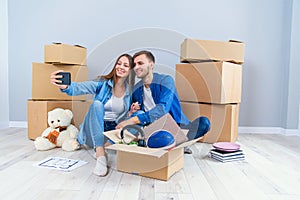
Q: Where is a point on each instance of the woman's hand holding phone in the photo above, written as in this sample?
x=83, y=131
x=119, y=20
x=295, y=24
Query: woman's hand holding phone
x=61, y=79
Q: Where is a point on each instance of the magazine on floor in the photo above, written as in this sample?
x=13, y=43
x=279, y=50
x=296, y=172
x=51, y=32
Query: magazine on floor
x=59, y=163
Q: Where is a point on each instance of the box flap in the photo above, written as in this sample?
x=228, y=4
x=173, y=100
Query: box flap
x=167, y=123
x=115, y=136
x=77, y=45
x=188, y=143
x=138, y=150
x=235, y=41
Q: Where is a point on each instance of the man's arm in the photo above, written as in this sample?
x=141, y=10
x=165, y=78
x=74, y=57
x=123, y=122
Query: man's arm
x=163, y=104
x=163, y=101
x=130, y=121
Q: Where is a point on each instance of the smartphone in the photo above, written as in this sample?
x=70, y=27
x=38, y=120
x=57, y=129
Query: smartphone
x=66, y=78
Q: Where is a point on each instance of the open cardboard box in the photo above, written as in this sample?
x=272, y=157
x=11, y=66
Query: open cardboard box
x=149, y=162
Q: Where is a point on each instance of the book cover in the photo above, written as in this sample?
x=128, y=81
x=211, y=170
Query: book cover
x=225, y=153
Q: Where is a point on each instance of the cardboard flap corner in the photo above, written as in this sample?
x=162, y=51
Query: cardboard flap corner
x=77, y=45
x=167, y=123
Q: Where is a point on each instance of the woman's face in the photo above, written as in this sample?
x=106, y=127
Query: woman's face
x=122, y=67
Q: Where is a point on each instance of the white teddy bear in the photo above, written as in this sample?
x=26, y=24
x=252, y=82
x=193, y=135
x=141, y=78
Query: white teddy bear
x=61, y=132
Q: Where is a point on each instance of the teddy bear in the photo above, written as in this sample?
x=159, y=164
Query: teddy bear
x=60, y=133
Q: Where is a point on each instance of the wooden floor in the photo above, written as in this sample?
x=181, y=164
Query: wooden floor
x=271, y=171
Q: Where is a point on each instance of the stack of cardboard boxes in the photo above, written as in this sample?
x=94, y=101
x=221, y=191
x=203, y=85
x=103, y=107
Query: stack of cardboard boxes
x=46, y=96
x=209, y=83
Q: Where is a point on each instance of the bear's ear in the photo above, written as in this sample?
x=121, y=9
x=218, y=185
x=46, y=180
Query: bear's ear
x=50, y=112
x=69, y=113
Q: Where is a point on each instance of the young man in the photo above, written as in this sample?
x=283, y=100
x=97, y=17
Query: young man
x=156, y=95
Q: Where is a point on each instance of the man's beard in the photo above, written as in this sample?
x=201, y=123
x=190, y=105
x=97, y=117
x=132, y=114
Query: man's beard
x=145, y=75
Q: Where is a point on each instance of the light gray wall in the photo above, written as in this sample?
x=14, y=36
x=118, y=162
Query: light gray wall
x=294, y=69
x=108, y=28
x=4, y=112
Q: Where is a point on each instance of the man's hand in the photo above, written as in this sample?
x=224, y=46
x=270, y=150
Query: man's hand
x=132, y=120
x=133, y=108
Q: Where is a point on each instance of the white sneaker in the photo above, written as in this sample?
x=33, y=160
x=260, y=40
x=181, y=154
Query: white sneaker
x=101, y=166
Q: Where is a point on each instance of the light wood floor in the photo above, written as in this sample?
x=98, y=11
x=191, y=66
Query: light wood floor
x=271, y=171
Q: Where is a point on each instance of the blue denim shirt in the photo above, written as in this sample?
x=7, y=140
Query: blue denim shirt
x=165, y=97
x=102, y=90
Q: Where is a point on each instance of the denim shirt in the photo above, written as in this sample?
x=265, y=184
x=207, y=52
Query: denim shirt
x=165, y=97
x=102, y=90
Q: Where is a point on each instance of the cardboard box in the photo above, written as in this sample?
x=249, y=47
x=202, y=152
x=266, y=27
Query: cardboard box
x=42, y=89
x=149, y=162
x=204, y=50
x=65, y=54
x=210, y=82
x=224, y=120
x=38, y=114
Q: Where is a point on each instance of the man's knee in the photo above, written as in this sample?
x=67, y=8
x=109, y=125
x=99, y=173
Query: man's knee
x=204, y=125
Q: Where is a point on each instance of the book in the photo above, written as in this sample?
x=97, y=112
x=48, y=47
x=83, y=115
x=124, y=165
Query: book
x=228, y=159
x=225, y=156
x=226, y=153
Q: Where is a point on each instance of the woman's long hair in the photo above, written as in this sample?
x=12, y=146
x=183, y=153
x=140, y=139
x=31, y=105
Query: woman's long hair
x=113, y=75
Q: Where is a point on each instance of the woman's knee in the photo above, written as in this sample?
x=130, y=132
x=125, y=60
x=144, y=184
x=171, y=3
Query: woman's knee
x=96, y=105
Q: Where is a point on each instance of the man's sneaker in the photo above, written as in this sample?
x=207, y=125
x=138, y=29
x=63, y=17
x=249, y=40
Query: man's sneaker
x=187, y=150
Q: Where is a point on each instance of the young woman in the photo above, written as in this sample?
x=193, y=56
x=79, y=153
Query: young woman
x=111, y=102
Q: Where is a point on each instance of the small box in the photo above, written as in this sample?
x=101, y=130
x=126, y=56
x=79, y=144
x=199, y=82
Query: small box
x=59, y=53
x=42, y=89
x=208, y=50
x=149, y=162
x=38, y=114
x=224, y=120
x=210, y=82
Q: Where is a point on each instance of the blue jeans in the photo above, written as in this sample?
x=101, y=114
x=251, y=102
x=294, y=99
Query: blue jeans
x=197, y=128
x=93, y=126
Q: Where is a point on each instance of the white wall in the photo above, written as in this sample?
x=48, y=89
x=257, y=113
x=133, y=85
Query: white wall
x=107, y=28
x=4, y=112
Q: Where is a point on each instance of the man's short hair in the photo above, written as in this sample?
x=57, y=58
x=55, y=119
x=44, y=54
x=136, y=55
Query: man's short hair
x=148, y=55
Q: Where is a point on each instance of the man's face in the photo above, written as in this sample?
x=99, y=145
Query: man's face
x=142, y=66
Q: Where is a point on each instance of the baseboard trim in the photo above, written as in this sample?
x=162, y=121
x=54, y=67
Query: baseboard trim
x=268, y=130
x=18, y=124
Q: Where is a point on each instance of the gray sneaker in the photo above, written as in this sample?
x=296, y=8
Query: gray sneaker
x=187, y=150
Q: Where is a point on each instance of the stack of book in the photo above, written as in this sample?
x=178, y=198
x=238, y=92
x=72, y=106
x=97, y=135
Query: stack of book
x=226, y=152
x=226, y=156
